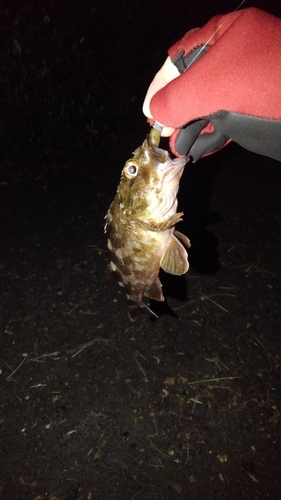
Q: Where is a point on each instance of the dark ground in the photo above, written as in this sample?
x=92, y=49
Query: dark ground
x=93, y=406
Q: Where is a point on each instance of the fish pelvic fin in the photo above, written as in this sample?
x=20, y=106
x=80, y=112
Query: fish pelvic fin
x=136, y=308
x=174, y=260
x=184, y=239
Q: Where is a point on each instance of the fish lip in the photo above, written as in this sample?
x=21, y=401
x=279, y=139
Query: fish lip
x=168, y=167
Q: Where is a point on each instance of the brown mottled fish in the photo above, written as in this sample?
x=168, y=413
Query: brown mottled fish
x=140, y=225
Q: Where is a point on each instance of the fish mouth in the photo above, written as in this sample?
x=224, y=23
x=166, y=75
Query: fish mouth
x=167, y=168
x=174, y=170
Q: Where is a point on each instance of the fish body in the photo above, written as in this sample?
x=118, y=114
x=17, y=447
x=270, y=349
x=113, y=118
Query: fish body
x=140, y=226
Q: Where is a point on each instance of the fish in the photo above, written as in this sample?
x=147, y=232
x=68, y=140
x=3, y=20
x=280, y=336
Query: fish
x=140, y=225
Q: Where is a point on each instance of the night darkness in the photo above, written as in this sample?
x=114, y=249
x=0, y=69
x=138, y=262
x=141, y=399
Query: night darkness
x=92, y=406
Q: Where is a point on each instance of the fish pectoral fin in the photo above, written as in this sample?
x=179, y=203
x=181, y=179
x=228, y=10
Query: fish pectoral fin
x=159, y=224
x=135, y=308
x=174, y=260
x=154, y=292
x=184, y=239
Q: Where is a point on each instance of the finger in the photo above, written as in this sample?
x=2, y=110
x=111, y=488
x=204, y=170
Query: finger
x=167, y=131
x=167, y=73
x=189, y=140
x=186, y=137
x=207, y=144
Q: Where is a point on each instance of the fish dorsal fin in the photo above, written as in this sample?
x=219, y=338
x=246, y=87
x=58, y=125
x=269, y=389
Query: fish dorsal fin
x=174, y=260
x=154, y=292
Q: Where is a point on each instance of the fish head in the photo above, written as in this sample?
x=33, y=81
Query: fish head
x=149, y=180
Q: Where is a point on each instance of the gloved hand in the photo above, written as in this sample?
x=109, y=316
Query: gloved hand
x=229, y=89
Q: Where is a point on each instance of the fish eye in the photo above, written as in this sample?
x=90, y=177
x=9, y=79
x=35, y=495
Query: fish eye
x=131, y=170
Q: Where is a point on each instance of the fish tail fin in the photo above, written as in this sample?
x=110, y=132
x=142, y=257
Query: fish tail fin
x=136, y=308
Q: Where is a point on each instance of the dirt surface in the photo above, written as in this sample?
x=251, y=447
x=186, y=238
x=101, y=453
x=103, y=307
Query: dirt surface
x=95, y=407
